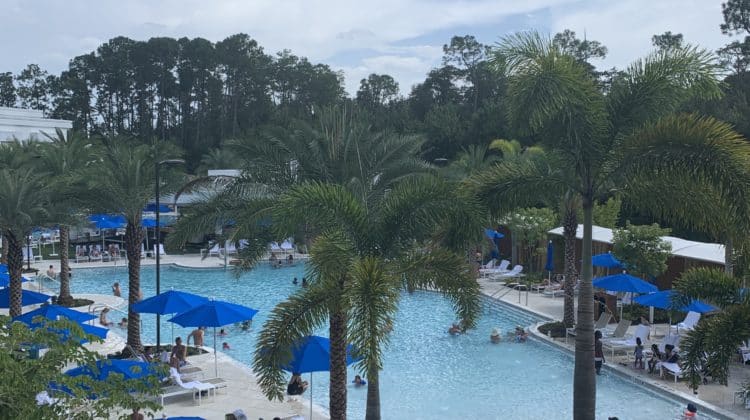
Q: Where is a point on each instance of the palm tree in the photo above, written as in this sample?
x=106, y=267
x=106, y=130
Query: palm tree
x=122, y=182
x=340, y=151
x=23, y=201
x=64, y=158
x=367, y=252
x=602, y=142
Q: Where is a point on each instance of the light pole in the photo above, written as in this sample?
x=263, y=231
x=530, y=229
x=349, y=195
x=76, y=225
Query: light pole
x=158, y=242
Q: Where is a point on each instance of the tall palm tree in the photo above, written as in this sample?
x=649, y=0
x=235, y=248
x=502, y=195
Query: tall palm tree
x=122, y=182
x=65, y=157
x=367, y=252
x=603, y=142
x=23, y=201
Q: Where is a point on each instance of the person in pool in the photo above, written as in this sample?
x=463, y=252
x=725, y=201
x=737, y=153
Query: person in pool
x=358, y=381
x=123, y=323
x=691, y=412
x=225, y=346
x=455, y=329
x=495, y=336
x=521, y=335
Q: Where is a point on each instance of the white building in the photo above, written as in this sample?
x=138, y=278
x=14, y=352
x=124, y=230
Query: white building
x=28, y=124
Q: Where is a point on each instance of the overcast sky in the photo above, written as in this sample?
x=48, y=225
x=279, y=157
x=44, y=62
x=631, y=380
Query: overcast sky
x=403, y=38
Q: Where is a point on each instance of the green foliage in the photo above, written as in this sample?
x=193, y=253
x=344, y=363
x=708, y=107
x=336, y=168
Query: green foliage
x=667, y=40
x=608, y=213
x=642, y=250
x=24, y=377
x=529, y=227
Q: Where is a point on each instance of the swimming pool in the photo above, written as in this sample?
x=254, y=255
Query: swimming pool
x=427, y=374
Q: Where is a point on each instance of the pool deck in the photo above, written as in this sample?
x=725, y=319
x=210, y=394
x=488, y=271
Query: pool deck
x=243, y=391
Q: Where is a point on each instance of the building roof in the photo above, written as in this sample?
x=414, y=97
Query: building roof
x=702, y=251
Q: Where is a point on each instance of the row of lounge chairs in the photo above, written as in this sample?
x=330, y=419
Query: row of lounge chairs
x=85, y=253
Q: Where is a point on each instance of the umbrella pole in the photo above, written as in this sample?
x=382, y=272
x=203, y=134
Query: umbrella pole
x=216, y=363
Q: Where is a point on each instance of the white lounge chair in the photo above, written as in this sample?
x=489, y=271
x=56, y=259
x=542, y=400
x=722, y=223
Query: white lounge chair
x=287, y=246
x=598, y=325
x=619, y=331
x=691, y=320
x=554, y=290
x=500, y=269
x=641, y=331
x=161, y=250
x=96, y=253
x=194, y=387
x=490, y=264
x=28, y=254
x=81, y=253
x=146, y=253
x=515, y=272
x=230, y=248
x=215, y=250
x=673, y=369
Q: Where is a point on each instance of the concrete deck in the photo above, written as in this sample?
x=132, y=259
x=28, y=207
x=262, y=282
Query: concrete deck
x=243, y=391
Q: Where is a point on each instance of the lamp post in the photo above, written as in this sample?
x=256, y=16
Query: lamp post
x=158, y=242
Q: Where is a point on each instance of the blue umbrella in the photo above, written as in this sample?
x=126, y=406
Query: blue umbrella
x=151, y=223
x=214, y=313
x=550, y=265
x=665, y=298
x=313, y=354
x=5, y=279
x=129, y=369
x=28, y=297
x=170, y=302
x=54, y=312
x=624, y=283
x=3, y=268
x=606, y=260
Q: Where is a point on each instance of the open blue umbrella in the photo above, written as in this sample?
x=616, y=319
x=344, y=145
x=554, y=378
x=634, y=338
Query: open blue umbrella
x=624, y=283
x=550, y=265
x=170, y=302
x=55, y=312
x=313, y=354
x=151, y=223
x=28, y=297
x=108, y=221
x=129, y=369
x=5, y=279
x=606, y=260
x=214, y=313
x=665, y=298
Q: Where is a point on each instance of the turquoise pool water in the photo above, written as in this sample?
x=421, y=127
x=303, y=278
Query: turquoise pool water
x=427, y=374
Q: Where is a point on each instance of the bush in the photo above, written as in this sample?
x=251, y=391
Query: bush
x=553, y=329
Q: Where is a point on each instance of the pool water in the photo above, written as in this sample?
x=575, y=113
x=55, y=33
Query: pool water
x=427, y=373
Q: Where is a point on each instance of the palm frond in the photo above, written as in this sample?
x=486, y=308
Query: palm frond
x=448, y=273
x=373, y=293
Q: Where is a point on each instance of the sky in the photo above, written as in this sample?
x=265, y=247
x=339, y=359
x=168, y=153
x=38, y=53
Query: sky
x=403, y=38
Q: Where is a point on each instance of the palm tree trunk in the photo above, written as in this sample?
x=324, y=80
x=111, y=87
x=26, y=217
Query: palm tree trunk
x=584, y=377
x=4, y=256
x=373, y=395
x=64, y=298
x=133, y=239
x=15, y=267
x=570, y=226
x=337, y=387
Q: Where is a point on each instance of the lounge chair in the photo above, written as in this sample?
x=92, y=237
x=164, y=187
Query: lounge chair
x=145, y=253
x=490, y=264
x=554, y=290
x=500, y=269
x=181, y=388
x=619, y=331
x=673, y=369
x=515, y=272
x=691, y=320
x=215, y=250
x=614, y=345
x=744, y=351
x=95, y=254
x=28, y=254
x=161, y=249
x=287, y=246
x=598, y=325
x=81, y=253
